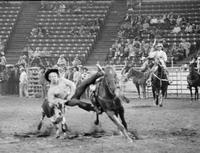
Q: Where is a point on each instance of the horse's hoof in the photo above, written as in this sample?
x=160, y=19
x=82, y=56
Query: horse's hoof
x=161, y=105
x=130, y=140
x=57, y=136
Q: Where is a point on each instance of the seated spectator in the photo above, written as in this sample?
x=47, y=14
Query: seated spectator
x=145, y=26
x=186, y=46
x=34, y=32
x=178, y=20
x=61, y=9
x=127, y=17
x=2, y=46
x=188, y=28
x=76, y=61
x=3, y=61
x=196, y=28
x=176, y=29
x=153, y=21
x=45, y=31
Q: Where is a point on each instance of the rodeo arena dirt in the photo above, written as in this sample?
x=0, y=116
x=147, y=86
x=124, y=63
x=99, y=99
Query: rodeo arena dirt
x=100, y=76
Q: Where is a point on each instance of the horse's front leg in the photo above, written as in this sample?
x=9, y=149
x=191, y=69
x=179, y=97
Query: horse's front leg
x=144, y=91
x=97, y=119
x=161, y=95
x=154, y=95
x=191, y=95
x=157, y=96
x=138, y=89
x=121, y=115
x=116, y=121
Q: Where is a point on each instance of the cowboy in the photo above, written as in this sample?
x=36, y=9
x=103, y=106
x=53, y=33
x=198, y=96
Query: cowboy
x=158, y=56
x=23, y=83
x=64, y=92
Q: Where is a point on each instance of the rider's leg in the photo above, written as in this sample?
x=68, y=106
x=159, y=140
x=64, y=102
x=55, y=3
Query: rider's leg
x=81, y=104
x=153, y=69
x=82, y=87
x=166, y=72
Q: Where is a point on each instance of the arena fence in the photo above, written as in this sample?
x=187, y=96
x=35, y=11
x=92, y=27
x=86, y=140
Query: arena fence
x=178, y=88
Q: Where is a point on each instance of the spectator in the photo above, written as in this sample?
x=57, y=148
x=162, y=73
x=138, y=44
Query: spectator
x=176, y=29
x=178, y=20
x=23, y=83
x=62, y=61
x=3, y=61
x=22, y=61
x=70, y=74
x=76, y=61
x=186, y=46
x=61, y=9
x=188, y=28
x=16, y=79
x=76, y=76
x=43, y=82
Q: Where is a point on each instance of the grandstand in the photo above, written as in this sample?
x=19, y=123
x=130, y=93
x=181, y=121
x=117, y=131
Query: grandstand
x=93, y=43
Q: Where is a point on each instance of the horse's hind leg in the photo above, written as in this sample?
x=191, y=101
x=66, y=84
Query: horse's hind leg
x=113, y=117
x=196, y=93
x=144, y=91
x=40, y=124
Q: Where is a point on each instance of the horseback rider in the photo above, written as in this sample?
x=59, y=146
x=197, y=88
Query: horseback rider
x=158, y=56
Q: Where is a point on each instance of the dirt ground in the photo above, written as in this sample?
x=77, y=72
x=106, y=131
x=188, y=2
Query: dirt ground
x=174, y=128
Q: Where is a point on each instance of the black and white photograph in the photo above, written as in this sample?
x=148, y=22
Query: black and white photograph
x=100, y=76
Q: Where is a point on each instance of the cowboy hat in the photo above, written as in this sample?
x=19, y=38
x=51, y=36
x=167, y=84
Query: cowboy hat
x=46, y=75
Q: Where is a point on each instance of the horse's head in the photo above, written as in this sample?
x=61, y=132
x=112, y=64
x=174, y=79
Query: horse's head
x=110, y=79
x=191, y=67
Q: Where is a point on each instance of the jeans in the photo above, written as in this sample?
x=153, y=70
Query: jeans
x=23, y=90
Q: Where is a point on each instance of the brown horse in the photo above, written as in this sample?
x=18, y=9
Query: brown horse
x=106, y=100
x=193, y=80
x=139, y=79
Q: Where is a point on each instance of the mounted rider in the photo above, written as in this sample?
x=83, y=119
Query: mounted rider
x=158, y=56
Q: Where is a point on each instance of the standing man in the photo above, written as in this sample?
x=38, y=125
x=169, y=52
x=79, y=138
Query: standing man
x=23, y=83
